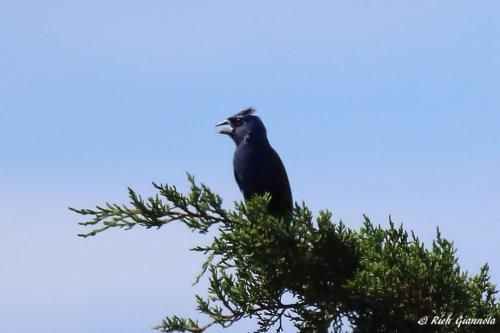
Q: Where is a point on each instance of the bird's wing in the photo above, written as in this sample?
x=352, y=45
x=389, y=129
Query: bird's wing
x=279, y=184
x=258, y=170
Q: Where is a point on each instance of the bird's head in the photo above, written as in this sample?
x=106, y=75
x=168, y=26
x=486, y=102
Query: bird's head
x=244, y=126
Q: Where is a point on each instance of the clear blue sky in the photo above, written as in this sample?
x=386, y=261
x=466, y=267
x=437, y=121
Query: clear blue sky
x=375, y=107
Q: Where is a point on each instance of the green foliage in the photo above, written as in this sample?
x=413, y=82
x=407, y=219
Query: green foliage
x=316, y=274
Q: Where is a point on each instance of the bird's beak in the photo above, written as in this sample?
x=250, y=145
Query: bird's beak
x=225, y=130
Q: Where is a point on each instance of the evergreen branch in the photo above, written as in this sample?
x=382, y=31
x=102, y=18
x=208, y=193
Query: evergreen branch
x=200, y=210
x=379, y=279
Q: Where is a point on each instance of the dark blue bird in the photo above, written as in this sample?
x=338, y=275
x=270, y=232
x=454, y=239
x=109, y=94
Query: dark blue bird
x=257, y=167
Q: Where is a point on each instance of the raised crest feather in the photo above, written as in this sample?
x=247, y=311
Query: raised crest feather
x=248, y=111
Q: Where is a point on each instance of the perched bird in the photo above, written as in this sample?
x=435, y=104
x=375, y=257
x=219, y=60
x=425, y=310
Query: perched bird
x=257, y=167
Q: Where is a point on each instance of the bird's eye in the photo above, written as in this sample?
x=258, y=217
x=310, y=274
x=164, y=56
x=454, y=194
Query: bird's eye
x=236, y=122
